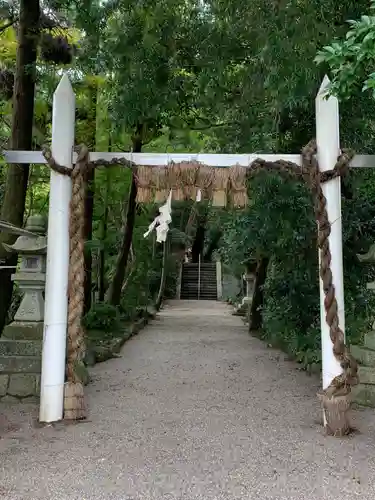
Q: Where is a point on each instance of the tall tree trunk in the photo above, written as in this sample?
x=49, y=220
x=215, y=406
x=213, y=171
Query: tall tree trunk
x=89, y=211
x=255, y=313
x=89, y=201
x=103, y=236
x=114, y=295
x=22, y=128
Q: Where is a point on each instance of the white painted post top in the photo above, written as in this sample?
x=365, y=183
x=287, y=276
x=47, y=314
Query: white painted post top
x=63, y=113
x=327, y=126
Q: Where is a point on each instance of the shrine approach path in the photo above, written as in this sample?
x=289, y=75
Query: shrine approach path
x=195, y=408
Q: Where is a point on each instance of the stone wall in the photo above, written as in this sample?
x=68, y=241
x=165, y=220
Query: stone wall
x=20, y=367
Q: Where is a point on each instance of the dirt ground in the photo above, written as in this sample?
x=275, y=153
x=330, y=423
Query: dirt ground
x=194, y=409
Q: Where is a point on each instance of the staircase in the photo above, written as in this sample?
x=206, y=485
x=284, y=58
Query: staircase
x=199, y=281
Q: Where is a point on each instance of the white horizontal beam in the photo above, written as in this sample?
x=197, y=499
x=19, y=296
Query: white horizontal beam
x=154, y=159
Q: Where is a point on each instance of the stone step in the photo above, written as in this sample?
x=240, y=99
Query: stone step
x=364, y=356
x=195, y=270
x=195, y=277
x=370, y=340
x=194, y=295
x=202, y=286
x=201, y=292
x=192, y=265
x=20, y=364
x=22, y=331
x=364, y=394
x=202, y=283
x=203, y=271
x=366, y=375
x=9, y=347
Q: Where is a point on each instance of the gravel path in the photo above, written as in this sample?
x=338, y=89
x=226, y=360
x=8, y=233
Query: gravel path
x=194, y=409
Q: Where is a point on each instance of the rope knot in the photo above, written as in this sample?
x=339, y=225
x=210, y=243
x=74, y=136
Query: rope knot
x=82, y=165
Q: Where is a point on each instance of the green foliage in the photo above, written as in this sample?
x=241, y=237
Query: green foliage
x=351, y=60
x=279, y=224
x=279, y=221
x=102, y=317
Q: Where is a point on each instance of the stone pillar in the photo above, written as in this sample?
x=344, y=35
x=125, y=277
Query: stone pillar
x=219, y=280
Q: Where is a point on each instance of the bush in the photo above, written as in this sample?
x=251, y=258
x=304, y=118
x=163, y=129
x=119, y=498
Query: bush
x=102, y=317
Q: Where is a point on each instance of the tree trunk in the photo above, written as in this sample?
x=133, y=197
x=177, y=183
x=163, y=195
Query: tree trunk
x=21, y=139
x=103, y=236
x=255, y=313
x=89, y=211
x=115, y=289
x=89, y=202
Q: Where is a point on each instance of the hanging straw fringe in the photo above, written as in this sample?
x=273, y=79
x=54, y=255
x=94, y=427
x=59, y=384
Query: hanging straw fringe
x=144, y=181
x=205, y=179
x=186, y=178
x=221, y=182
x=189, y=172
x=174, y=181
x=160, y=180
x=237, y=175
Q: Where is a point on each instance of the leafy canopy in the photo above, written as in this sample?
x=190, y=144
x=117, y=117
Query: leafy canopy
x=351, y=60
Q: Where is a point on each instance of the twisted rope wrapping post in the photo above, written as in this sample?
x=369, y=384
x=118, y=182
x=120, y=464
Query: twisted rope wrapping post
x=335, y=399
x=74, y=406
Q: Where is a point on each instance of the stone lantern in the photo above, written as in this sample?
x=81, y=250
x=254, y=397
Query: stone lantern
x=249, y=278
x=21, y=341
x=31, y=273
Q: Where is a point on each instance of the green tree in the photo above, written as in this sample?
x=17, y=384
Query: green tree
x=350, y=60
x=13, y=205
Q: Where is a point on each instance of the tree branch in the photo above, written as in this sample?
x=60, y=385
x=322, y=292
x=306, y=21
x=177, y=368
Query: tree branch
x=7, y=25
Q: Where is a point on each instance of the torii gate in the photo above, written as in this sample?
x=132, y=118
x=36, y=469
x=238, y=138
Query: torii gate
x=56, y=303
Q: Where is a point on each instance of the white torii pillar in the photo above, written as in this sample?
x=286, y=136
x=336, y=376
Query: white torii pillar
x=328, y=145
x=56, y=291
